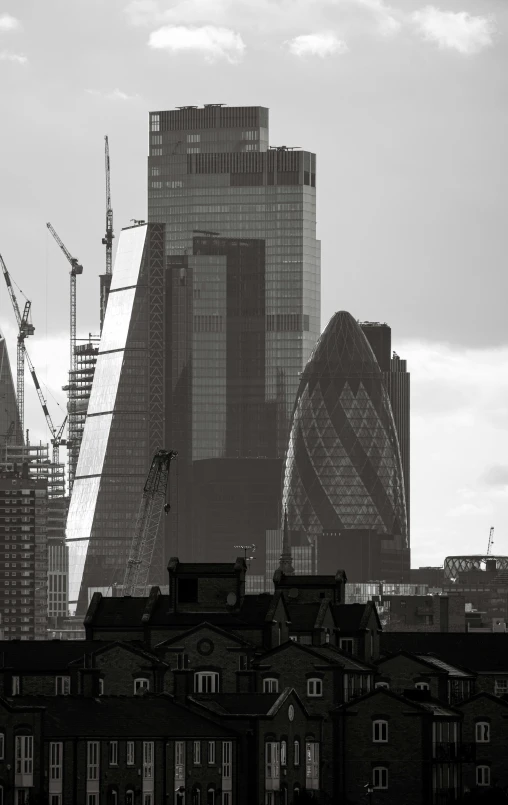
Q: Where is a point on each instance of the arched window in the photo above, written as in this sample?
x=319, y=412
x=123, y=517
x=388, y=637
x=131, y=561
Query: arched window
x=314, y=687
x=380, y=731
x=196, y=795
x=283, y=795
x=283, y=753
x=141, y=683
x=483, y=775
x=296, y=753
x=296, y=793
x=482, y=732
x=382, y=686
x=129, y=797
x=422, y=686
x=270, y=685
x=2, y=745
x=380, y=777
x=206, y=682
x=101, y=686
x=210, y=795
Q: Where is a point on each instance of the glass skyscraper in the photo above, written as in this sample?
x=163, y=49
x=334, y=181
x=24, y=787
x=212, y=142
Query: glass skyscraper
x=343, y=484
x=213, y=311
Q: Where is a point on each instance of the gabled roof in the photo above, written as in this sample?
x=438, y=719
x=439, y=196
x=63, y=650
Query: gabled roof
x=432, y=706
x=180, y=638
x=248, y=704
x=131, y=647
x=481, y=652
x=354, y=617
x=451, y=670
x=322, y=654
x=118, y=716
x=502, y=701
x=304, y=617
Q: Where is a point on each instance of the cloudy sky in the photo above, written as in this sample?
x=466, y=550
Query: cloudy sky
x=405, y=106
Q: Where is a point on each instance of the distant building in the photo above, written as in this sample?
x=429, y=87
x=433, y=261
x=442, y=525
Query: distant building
x=9, y=420
x=23, y=547
x=80, y=387
x=397, y=380
x=483, y=582
x=343, y=484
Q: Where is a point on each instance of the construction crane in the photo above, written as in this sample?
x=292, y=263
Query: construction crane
x=107, y=240
x=56, y=435
x=25, y=328
x=153, y=503
x=76, y=268
x=491, y=541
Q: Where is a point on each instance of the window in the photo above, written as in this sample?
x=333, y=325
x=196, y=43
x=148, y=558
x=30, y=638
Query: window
x=422, y=686
x=482, y=732
x=182, y=661
x=483, y=775
x=380, y=777
x=226, y=760
x=272, y=760
x=194, y=150
x=500, y=687
x=92, y=763
x=92, y=799
x=270, y=685
x=147, y=799
x=211, y=753
x=55, y=761
x=382, y=686
x=129, y=797
x=346, y=644
x=180, y=761
x=155, y=122
x=2, y=747
x=140, y=684
x=197, y=753
x=101, y=687
x=314, y=687
x=380, y=731
x=54, y=799
x=147, y=760
x=296, y=753
x=226, y=798
x=312, y=764
x=193, y=138
x=242, y=662
x=24, y=754
x=62, y=685
x=16, y=686
x=196, y=796
x=283, y=753
x=113, y=753
x=206, y=682
x=130, y=753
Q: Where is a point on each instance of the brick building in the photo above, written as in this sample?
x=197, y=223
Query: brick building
x=209, y=696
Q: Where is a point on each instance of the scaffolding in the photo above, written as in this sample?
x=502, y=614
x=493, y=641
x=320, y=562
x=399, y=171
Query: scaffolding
x=80, y=388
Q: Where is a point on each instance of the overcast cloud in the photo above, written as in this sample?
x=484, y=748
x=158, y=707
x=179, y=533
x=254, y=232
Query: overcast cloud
x=404, y=104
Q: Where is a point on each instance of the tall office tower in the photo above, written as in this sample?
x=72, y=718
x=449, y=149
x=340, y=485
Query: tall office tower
x=125, y=422
x=8, y=406
x=397, y=380
x=343, y=484
x=241, y=242
x=23, y=548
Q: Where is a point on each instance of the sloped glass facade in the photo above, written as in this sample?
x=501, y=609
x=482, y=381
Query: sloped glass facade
x=343, y=483
x=8, y=406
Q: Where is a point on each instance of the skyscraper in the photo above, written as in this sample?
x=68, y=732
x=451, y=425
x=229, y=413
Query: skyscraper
x=397, y=380
x=343, y=484
x=8, y=405
x=226, y=318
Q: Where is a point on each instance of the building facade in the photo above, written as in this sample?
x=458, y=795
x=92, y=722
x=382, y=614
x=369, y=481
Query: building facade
x=397, y=380
x=9, y=419
x=343, y=483
x=24, y=552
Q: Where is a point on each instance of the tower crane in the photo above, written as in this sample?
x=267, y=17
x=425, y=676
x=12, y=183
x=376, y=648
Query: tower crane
x=76, y=268
x=56, y=435
x=25, y=328
x=491, y=541
x=153, y=503
x=107, y=240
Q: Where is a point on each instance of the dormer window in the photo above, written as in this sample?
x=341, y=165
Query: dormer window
x=141, y=684
x=270, y=685
x=314, y=687
x=62, y=685
x=346, y=644
x=206, y=682
x=422, y=686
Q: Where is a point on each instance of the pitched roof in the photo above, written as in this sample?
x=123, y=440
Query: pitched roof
x=327, y=653
x=45, y=655
x=182, y=636
x=354, y=617
x=120, y=716
x=430, y=705
x=252, y=704
x=481, y=652
x=303, y=616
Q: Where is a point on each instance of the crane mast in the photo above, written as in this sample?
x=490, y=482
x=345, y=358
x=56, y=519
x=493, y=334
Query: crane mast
x=107, y=240
x=76, y=268
x=491, y=541
x=56, y=435
x=25, y=329
x=153, y=502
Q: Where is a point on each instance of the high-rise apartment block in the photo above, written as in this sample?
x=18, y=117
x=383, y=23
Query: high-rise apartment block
x=23, y=552
x=213, y=311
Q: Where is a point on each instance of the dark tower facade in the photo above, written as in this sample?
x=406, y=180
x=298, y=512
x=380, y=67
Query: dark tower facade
x=343, y=482
x=397, y=380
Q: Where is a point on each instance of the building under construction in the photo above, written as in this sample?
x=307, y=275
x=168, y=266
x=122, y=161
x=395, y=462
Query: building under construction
x=80, y=387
